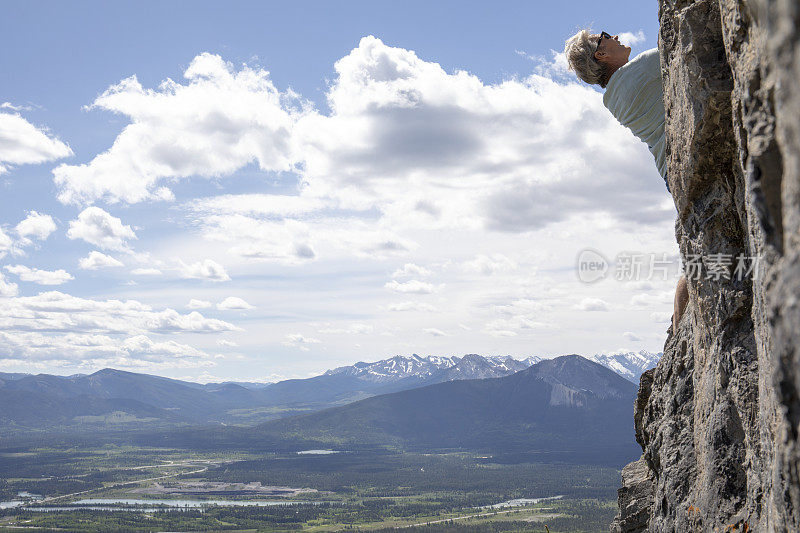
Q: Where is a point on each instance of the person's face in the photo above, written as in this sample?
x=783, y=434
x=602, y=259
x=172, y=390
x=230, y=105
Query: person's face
x=612, y=51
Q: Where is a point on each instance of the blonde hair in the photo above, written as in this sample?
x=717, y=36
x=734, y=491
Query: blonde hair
x=579, y=50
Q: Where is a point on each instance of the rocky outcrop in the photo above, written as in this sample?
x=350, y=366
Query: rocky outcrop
x=636, y=494
x=718, y=425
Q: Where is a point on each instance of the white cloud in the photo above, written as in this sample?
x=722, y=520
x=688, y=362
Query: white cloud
x=96, y=350
x=632, y=39
x=274, y=205
x=593, y=304
x=146, y=272
x=410, y=287
x=411, y=306
x=661, y=316
x=483, y=264
x=423, y=147
x=35, y=226
x=410, y=270
x=232, y=302
x=206, y=269
x=58, y=312
x=7, y=289
x=502, y=333
x=435, y=332
x=23, y=143
x=406, y=147
x=408, y=163
x=42, y=277
x=6, y=243
x=226, y=343
x=220, y=120
x=198, y=304
x=97, y=260
x=101, y=229
x=555, y=66
x=12, y=107
x=356, y=328
x=296, y=340
x=141, y=345
x=283, y=241
x=519, y=314
x=650, y=299
x=417, y=145
x=631, y=336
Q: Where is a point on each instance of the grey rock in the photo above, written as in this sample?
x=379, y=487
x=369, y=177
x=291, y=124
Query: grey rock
x=719, y=423
x=635, y=498
x=636, y=494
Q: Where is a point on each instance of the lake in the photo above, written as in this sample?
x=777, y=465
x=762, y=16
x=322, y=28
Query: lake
x=147, y=506
x=9, y=505
x=519, y=502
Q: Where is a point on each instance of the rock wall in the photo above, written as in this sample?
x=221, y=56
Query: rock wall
x=718, y=418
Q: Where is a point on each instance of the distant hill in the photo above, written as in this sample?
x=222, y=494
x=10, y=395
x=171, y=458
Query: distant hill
x=346, y=384
x=408, y=372
x=110, y=399
x=567, y=407
x=172, y=401
x=182, y=399
x=5, y=376
x=166, y=402
x=38, y=411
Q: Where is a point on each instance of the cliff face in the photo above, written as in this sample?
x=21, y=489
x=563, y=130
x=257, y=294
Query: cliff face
x=718, y=417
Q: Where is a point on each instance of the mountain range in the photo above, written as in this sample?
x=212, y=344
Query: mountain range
x=471, y=366
x=566, y=409
x=110, y=399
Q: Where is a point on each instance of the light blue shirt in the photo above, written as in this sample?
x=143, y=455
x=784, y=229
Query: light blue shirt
x=635, y=98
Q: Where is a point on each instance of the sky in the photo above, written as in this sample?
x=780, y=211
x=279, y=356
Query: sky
x=265, y=190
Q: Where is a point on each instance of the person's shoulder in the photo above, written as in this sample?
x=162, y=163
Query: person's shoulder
x=646, y=56
x=645, y=59
x=640, y=69
x=640, y=64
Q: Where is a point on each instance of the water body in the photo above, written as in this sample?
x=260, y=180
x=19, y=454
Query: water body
x=317, y=452
x=9, y=505
x=519, y=502
x=110, y=508
x=147, y=506
x=189, y=503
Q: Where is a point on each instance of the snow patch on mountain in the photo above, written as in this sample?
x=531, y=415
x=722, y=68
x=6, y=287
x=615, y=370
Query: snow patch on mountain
x=629, y=365
x=470, y=366
x=431, y=368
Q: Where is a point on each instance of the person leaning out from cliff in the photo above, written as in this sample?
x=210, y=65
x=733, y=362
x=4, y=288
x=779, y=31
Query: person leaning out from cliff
x=633, y=94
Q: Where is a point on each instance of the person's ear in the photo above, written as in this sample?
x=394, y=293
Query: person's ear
x=600, y=55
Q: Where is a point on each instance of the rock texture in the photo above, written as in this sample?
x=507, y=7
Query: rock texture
x=718, y=418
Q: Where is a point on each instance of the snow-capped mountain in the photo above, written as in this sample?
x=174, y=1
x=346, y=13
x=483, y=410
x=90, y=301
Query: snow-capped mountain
x=434, y=368
x=629, y=365
x=473, y=366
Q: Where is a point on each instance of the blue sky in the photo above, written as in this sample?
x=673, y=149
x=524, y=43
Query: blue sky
x=328, y=181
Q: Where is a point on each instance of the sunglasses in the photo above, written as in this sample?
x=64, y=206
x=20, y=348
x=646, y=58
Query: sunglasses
x=603, y=35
